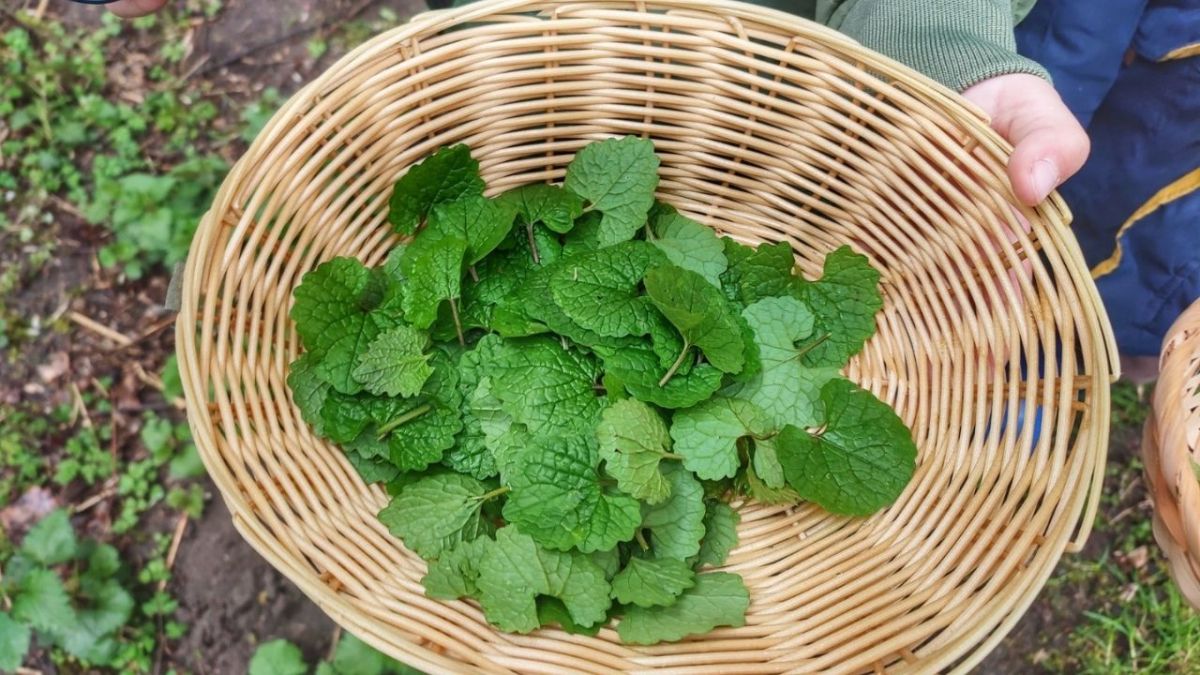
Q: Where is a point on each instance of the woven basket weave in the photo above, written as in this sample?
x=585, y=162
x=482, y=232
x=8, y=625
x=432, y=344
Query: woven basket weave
x=1170, y=445
x=770, y=128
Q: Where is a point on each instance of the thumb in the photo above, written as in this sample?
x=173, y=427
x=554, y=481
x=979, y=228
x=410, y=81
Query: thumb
x=1049, y=145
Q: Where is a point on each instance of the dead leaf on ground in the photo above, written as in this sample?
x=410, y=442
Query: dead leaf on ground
x=56, y=367
x=1138, y=557
x=28, y=509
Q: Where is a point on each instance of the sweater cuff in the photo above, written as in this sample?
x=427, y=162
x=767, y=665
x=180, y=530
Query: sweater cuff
x=962, y=61
x=956, y=42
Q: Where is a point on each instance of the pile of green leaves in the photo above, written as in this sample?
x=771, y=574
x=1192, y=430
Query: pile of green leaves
x=562, y=386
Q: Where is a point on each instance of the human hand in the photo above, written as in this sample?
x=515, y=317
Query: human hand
x=1049, y=145
x=133, y=8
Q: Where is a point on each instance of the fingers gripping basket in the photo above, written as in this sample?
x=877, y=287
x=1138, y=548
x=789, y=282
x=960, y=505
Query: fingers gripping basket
x=1171, y=448
x=770, y=129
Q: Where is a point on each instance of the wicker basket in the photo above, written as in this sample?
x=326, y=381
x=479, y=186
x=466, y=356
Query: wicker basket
x=770, y=128
x=1170, y=445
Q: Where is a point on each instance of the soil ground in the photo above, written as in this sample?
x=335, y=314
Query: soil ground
x=230, y=598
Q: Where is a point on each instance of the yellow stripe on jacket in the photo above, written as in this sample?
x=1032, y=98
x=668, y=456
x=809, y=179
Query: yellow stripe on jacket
x=1184, y=52
x=1179, y=188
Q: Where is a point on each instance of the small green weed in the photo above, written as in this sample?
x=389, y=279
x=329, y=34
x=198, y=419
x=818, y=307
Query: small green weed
x=132, y=168
x=154, y=216
x=76, y=598
x=1130, y=404
x=20, y=464
x=140, y=485
x=1148, y=630
x=86, y=457
x=256, y=115
x=352, y=657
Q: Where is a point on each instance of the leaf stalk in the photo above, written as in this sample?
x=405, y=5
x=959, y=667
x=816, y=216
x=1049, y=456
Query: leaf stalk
x=404, y=419
x=687, y=346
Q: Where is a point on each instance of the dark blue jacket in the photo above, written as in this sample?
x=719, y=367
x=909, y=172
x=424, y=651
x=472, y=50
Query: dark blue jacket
x=1130, y=71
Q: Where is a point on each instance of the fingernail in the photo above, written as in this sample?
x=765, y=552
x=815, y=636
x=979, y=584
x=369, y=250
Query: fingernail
x=1045, y=177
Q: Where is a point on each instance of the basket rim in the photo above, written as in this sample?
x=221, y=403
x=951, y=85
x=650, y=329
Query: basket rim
x=922, y=88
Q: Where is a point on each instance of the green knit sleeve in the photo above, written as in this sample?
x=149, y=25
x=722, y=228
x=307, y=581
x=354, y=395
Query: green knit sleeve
x=956, y=42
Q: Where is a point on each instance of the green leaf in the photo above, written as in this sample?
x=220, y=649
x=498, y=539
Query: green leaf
x=514, y=571
x=599, y=290
x=476, y=363
x=308, y=391
x=447, y=175
x=757, y=273
x=494, y=301
x=355, y=657
x=640, y=371
x=343, y=417
x=471, y=454
x=372, y=469
x=766, y=463
x=548, y=388
x=347, y=340
x=278, y=657
x=633, y=441
x=482, y=223
x=532, y=310
x=720, y=534
x=754, y=487
x=434, y=514
x=557, y=498
x=14, y=643
x=552, y=612
x=503, y=437
x=859, y=461
x=341, y=300
x=429, y=425
x=844, y=301
x=42, y=602
x=617, y=177
x=677, y=525
x=90, y=638
x=454, y=574
x=433, y=267
x=103, y=563
x=785, y=389
x=690, y=245
x=754, y=364
x=586, y=235
x=707, y=434
x=652, y=583
x=418, y=444
x=369, y=457
x=701, y=314
x=717, y=599
x=334, y=292
x=551, y=205
x=609, y=561
x=187, y=464
x=393, y=364
x=52, y=540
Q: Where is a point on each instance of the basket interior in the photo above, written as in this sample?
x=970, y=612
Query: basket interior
x=991, y=345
